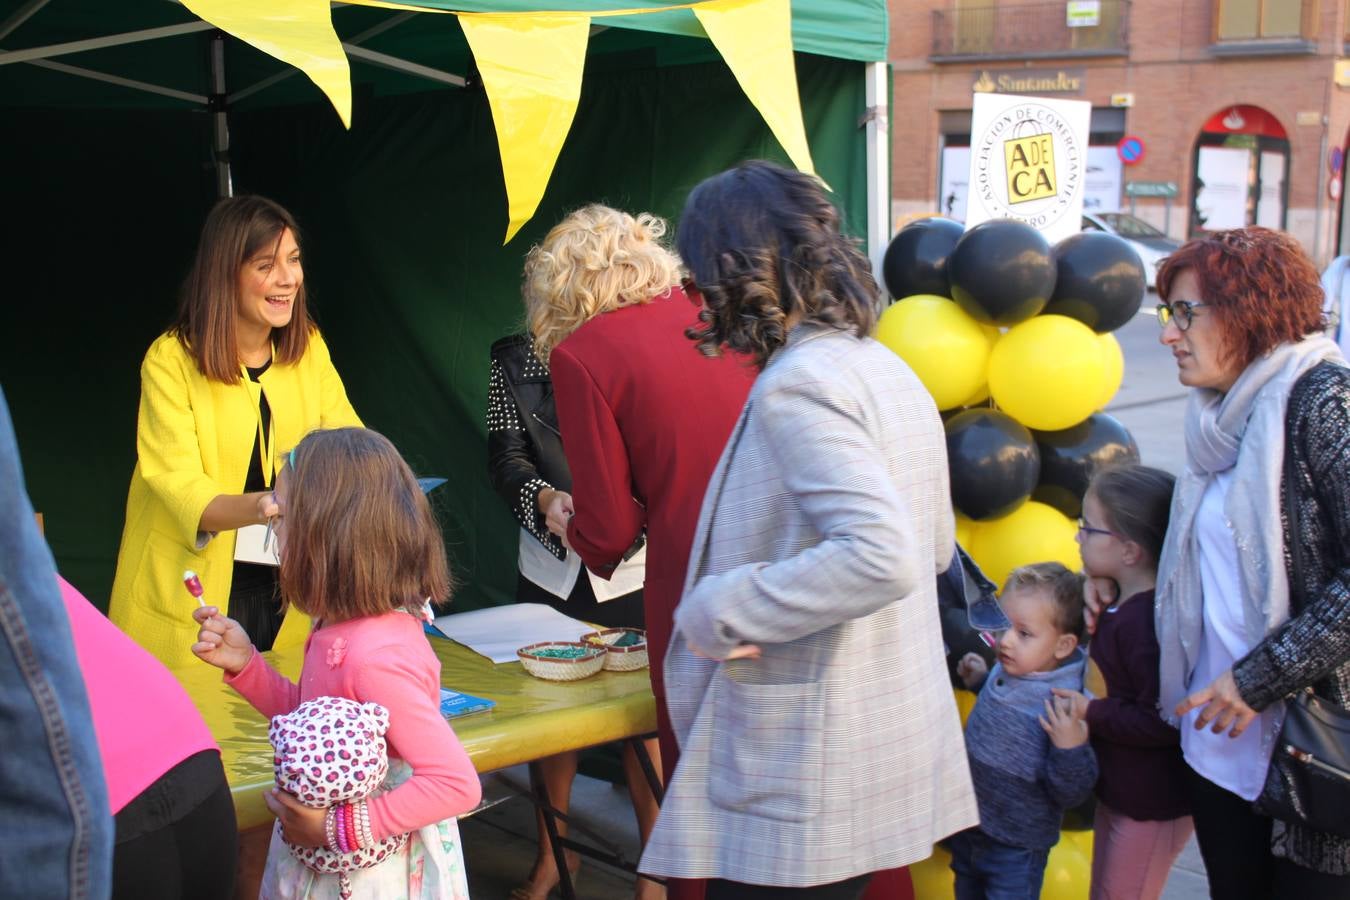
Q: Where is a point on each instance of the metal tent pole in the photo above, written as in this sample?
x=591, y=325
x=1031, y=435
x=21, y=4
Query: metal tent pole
x=876, y=121
x=218, y=103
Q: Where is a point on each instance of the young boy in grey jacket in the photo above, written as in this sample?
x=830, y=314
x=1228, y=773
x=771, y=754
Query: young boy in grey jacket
x=1029, y=756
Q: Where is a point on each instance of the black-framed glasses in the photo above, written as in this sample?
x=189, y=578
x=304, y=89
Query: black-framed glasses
x=1182, y=310
x=1085, y=528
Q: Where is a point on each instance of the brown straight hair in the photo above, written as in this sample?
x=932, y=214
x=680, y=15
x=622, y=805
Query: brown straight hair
x=1138, y=503
x=236, y=230
x=360, y=538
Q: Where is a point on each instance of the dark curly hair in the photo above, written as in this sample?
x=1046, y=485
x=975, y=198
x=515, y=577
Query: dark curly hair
x=762, y=244
x=1263, y=286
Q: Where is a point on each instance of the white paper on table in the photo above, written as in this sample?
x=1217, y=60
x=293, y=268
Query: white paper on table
x=499, y=631
x=248, y=546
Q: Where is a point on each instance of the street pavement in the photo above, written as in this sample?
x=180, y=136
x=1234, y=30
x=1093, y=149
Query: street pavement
x=1151, y=401
x=499, y=843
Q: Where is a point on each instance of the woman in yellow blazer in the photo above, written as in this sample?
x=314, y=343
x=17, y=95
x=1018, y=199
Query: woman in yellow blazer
x=240, y=377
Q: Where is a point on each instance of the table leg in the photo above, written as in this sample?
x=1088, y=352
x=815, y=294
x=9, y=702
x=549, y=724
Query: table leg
x=555, y=843
x=645, y=760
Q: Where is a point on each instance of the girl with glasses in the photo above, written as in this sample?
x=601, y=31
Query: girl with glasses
x=1143, y=807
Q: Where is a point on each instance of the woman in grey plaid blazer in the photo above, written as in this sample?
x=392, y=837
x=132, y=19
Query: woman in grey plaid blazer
x=806, y=682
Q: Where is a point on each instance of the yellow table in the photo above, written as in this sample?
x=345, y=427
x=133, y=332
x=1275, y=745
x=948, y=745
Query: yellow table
x=532, y=718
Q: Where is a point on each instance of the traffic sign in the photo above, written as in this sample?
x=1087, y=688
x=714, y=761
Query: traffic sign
x=1151, y=189
x=1335, y=159
x=1130, y=149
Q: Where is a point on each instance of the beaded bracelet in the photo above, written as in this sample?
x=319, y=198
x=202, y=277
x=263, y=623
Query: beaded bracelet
x=343, y=845
x=353, y=840
x=330, y=827
x=363, y=824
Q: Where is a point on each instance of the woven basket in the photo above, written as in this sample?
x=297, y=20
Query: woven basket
x=620, y=659
x=551, y=669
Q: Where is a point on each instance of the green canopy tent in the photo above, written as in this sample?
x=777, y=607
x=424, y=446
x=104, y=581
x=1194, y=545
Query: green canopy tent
x=123, y=123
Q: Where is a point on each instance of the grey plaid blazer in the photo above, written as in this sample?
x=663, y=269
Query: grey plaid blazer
x=839, y=751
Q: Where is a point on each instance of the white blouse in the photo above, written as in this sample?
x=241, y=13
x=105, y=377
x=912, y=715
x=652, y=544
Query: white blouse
x=1237, y=765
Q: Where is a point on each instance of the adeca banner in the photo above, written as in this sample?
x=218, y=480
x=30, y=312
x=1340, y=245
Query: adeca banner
x=1028, y=161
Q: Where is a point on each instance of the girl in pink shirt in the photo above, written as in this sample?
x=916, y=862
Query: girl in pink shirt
x=361, y=553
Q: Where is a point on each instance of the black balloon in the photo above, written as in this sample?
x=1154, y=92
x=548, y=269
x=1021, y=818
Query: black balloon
x=1070, y=458
x=916, y=260
x=1002, y=272
x=994, y=463
x=1100, y=280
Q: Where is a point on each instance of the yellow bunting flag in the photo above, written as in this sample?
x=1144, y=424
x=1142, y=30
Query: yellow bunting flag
x=299, y=32
x=755, y=39
x=531, y=68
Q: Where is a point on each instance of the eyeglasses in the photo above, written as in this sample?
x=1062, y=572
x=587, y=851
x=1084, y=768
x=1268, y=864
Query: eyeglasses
x=1085, y=528
x=1182, y=310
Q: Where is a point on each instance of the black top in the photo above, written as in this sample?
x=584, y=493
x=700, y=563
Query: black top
x=254, y=599
x=1141, y=771
x=254, y=481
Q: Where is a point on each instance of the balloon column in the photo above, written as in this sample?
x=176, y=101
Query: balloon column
x=1012, y=339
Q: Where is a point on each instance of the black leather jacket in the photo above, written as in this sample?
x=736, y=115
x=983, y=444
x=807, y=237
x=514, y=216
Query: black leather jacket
x=525, y=453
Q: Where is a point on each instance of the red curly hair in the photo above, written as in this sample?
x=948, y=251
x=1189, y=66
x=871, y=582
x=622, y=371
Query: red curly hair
x=1264, y=288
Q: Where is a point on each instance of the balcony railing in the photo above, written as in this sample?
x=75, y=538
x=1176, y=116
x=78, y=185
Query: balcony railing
x=1039, y=31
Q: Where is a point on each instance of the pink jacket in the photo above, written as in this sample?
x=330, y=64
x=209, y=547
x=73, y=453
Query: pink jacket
x=386, y=660
x=145, y=721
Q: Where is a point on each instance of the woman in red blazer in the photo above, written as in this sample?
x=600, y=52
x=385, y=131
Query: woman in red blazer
x=644, y=415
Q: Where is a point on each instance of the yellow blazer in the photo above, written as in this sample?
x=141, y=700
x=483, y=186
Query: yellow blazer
x=194, y=438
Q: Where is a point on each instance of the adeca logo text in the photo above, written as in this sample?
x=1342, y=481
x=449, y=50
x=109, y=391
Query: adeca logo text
x=1027, y=165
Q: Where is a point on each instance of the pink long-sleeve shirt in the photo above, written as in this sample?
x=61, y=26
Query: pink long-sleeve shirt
x=386, y=660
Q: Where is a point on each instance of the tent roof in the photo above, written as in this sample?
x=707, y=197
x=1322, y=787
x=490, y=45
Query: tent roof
x=377, y=41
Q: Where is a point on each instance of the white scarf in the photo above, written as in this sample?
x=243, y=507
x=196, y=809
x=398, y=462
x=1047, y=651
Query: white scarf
x=1243, y=430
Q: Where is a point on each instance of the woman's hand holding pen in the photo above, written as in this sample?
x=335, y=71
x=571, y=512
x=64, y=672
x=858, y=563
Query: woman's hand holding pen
x=267, y=506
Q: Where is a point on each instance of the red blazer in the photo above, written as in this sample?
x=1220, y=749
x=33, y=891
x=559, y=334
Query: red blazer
x=644, y=418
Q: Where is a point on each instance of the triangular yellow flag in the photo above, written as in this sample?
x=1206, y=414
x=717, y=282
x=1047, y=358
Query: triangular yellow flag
x=755, y=39
x=299, y=32
x=531, y=67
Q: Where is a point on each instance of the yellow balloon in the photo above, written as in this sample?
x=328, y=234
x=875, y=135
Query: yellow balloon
x=933, y=878
x=965, y=702
x=1034, y=533
x=1114, y=360
x=979, y=397
x=1048, y=372
x=945, y=347
x=1068, y=871
x=965, y=531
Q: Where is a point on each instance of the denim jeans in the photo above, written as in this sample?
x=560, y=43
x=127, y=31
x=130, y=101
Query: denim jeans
x=987, y=869
x=58, y=830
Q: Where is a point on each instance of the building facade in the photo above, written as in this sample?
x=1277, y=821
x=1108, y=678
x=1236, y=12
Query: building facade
x=1238, y=109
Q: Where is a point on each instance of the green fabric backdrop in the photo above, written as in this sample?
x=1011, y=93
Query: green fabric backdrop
x=402, y=220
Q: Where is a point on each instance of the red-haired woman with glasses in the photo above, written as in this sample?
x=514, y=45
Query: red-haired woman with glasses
x=1240, y=626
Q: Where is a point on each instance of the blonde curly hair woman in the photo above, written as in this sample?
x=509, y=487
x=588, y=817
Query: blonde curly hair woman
x=595, y=261
x=644, y=415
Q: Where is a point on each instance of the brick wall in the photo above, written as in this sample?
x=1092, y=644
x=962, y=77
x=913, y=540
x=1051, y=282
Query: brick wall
x=1177, y=82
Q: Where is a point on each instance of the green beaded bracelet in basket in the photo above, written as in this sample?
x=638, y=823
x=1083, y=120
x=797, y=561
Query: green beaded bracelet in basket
x=562, y=660
x=625, y=648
